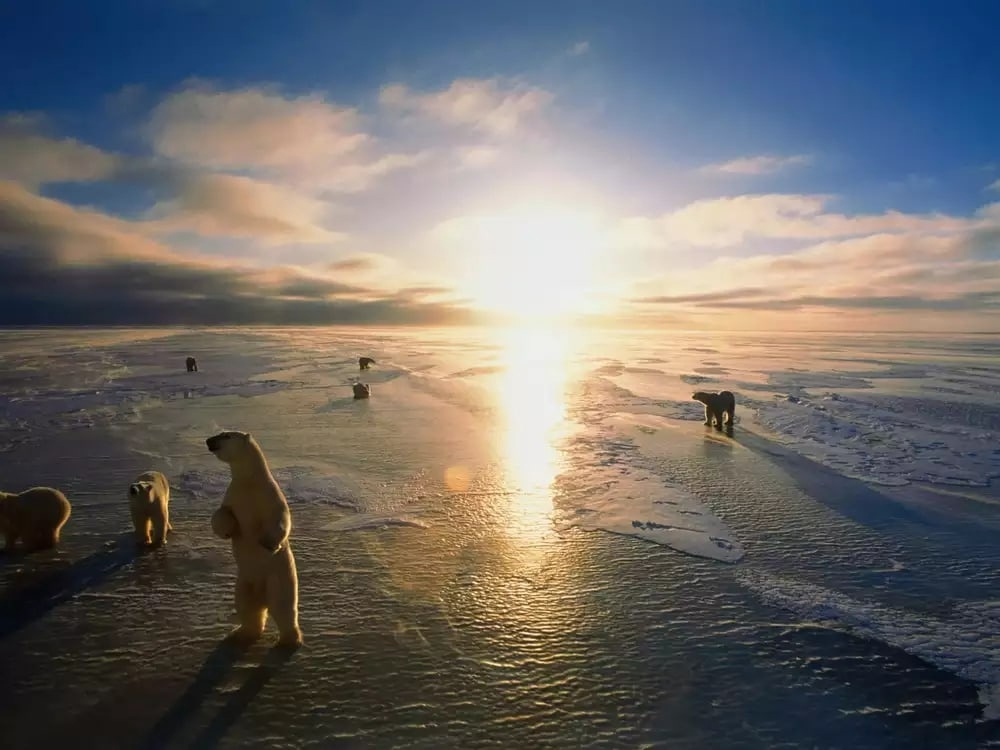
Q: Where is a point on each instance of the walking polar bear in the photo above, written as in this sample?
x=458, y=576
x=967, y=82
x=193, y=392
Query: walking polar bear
x=35, y=516
x=149, y=503
x=254, y=514
x=716, y=405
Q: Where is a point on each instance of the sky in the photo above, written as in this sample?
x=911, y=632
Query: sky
x=723, y=164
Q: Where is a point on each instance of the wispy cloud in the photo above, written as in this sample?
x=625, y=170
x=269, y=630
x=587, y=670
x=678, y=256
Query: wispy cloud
x=32, y=158
x=580, y=48
x=757, y=165
x=252, y=127
x=496, y=106
x=995, y=185
x=723, y=222
x=232, y=206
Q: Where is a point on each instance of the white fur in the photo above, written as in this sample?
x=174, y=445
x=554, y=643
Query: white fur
x=254, y=515
x=149, y=504
x=35, y=516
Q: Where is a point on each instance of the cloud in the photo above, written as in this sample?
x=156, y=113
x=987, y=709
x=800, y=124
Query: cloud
x=995, y=185
x=889, y=272
x=704, y=297
x=724, y=222
x=33, y=159
x=580, y=48
x=496, y=106
x=477, y=157
x=757, y=165
x=968, y=302
x=363, y=263
x=301, y=139
x=228, y=205
x=63, y=265
x=252, y=127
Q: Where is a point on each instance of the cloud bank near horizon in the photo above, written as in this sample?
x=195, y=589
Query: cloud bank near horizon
x=247, y=205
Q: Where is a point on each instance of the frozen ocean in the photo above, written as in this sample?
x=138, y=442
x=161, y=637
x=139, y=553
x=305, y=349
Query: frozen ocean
x=525, y=538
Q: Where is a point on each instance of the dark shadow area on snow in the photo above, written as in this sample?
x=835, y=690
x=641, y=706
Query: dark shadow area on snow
x=23, y=606
x=216, y=667
x=863, y=504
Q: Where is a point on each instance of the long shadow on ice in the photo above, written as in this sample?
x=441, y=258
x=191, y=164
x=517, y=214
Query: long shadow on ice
x=860, y=502
x=24, y=606
x=216, y=667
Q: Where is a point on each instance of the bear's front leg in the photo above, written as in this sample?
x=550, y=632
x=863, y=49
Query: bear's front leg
x=224, y=523
x=273, y=538
x=140, y=521
x=161, y=522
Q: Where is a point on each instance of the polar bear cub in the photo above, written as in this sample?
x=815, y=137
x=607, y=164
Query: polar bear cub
x=149, y=503
x=254, y=515
x=35, y=516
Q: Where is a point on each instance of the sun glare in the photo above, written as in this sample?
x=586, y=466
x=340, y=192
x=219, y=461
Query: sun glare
x=532, y=396
x=534, y=264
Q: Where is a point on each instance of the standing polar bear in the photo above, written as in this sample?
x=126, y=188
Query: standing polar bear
x=35, y=516
x=254, y=514
x=149, y=503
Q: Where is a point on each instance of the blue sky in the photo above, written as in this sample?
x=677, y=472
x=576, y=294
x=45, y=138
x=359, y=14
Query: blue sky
x=688, y=148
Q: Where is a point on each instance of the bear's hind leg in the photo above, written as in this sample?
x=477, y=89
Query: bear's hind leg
x=283, y=604
x=251, y=610
x=718, y=420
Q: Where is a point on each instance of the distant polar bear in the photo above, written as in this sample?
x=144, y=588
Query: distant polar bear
x=362, y=390
x=254, y=514
x=717, y=404
x=149, y=503
x=192, y=364
x=35, y=516
x=365, y=362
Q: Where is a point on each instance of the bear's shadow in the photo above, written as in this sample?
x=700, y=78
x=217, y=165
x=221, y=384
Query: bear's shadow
x=24, y=606
x=217, y=665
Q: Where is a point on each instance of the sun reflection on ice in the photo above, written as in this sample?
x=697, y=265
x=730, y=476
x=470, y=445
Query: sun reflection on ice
x=532, y=397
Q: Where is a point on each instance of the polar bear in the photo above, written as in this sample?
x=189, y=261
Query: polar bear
x=192, y=364
x=149, y=503
x=716, y=405
x=254, y=514
x=34, y=516
x=365, y=362
x=362, y=390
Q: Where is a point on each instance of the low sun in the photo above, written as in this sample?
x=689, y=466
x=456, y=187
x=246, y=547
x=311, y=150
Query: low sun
x=533, y=264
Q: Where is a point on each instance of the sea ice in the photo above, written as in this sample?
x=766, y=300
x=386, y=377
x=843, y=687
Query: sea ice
x=967, y=645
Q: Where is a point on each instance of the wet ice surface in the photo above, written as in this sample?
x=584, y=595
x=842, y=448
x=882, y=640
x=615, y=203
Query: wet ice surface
x=823, y=578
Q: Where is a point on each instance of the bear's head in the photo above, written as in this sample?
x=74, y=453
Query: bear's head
x=140, y=490
x=700, y=396
x=230, y=445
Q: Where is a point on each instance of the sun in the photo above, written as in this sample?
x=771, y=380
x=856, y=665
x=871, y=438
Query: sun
x=532, y=264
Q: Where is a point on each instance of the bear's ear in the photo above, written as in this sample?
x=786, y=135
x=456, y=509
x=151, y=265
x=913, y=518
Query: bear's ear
x=133, y=490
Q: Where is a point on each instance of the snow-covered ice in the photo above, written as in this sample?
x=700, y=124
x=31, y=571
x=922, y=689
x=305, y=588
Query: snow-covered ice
x=449, y=596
